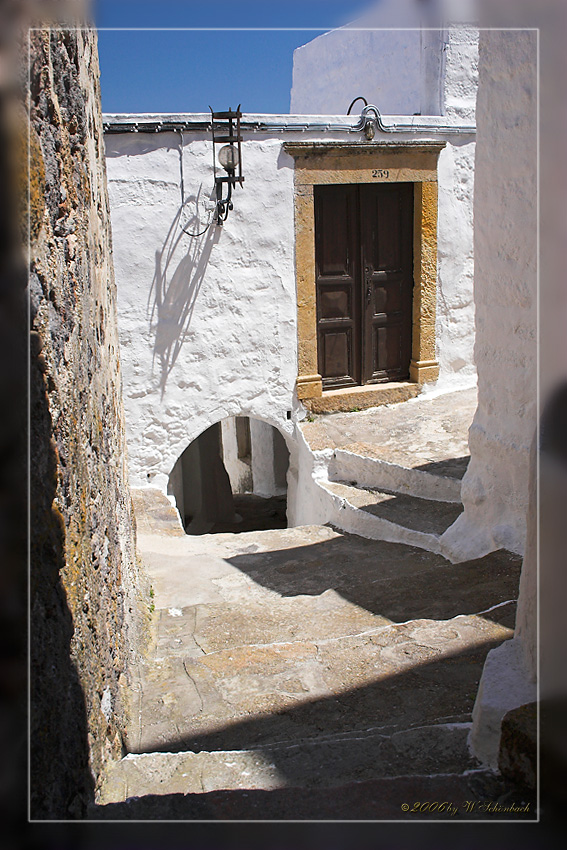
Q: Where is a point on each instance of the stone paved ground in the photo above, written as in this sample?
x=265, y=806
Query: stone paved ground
x=305, y=657
x=425, y=433
x=297, y=632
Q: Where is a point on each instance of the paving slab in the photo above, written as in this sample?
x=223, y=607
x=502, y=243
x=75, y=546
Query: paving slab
x=423, y=433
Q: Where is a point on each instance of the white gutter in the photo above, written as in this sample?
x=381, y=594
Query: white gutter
x=257, y=122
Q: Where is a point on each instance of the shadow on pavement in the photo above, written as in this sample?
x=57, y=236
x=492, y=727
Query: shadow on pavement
x=390, y=579
x=407, y=773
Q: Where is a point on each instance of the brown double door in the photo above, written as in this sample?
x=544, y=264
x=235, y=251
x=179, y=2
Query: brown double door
x=364, y=276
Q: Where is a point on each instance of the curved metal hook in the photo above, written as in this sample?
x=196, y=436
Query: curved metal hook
x=364, y=119
x=354, y=101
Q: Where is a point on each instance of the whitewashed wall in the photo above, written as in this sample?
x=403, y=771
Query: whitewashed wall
x=208, y=325
x=404, y=56
x=384, y=67
x=455, y=320
x=406, y=72
x=495, y=487
x=459, y=82
x=499, y=489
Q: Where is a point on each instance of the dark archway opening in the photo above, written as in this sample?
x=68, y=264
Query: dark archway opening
x=232, y=478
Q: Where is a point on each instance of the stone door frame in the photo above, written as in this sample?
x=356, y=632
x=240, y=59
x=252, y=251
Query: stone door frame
x=320, y=163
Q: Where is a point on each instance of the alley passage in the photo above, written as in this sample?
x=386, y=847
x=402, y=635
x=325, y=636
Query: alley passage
x=305, y=657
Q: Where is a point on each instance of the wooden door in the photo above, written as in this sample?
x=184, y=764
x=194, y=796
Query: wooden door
x=386, y=219
x=364, y=279
x=337, y=258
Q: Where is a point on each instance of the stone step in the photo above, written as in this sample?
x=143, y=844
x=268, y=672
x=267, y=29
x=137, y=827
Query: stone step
x=475, y=795
x=278, y=635
x=425, y=515
x=394, y=517
x=155, y=513
x=440, y=482
x=324, y=761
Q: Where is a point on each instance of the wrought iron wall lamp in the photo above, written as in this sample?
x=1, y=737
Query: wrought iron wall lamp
x=226, y=132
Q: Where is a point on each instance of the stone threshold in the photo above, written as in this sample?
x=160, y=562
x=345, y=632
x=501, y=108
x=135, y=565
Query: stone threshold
x=350, y=399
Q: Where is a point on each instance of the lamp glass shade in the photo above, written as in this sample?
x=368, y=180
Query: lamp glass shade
x=228, y=157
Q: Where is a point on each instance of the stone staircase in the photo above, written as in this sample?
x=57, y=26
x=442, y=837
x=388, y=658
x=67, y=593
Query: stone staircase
x=443, y=797
x=328, y=671
x=388, y=501
x=323, y=762
x=392, y=472
x=305, y=673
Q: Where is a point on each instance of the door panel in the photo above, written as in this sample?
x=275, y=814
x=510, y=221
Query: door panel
x=337, y=279
x=386, y=215
x=337, y=346
x=364, y=279
x=336, y=301
x=335, y=233
x=387, y=296
x=381, y=211
x=387, y=345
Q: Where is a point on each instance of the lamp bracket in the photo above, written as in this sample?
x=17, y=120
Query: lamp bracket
x=225, y=128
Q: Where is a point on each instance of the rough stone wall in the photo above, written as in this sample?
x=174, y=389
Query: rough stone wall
x=85, y=611
x=495, y=487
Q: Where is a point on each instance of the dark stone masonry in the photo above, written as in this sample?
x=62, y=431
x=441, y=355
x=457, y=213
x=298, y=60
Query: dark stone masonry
x=87, y=597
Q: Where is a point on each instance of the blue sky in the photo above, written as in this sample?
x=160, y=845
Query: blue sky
x=190, y=71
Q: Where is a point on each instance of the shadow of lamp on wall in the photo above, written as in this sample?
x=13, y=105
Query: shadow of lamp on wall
x=226, y=132
x=177, y=282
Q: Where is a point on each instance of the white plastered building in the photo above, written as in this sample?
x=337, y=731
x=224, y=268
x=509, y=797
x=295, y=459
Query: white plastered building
x=267, y=317
x=227, y=324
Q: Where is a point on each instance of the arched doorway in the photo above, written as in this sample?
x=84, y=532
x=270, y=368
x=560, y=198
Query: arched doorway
x=232, y=478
